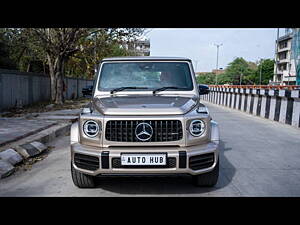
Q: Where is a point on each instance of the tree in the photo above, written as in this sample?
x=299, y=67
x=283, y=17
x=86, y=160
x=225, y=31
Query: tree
x=5, y=57
x=266, y=67
x=72, y=50
x=5, y=61
x=243, y=72
x=57, y=45
x=237, y=69
x=22, y=51
x=207, y=78
x=225, y=78
x=101, y=43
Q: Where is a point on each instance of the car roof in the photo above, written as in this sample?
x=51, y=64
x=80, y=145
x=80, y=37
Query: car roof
x=146, y=58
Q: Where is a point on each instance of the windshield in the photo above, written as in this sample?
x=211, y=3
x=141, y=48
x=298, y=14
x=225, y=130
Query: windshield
x=150, y=75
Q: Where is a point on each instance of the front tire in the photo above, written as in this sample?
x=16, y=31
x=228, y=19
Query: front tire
x=207, y=179
x=82, y=180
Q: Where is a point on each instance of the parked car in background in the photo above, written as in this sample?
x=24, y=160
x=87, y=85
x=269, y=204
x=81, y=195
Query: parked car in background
x=87, y=91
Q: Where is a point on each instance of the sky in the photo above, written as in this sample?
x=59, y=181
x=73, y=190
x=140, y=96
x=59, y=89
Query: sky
x=198, y=44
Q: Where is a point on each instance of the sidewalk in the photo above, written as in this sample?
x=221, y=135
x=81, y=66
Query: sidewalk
x=13, y=129
x=33, y=120
x=25, y=135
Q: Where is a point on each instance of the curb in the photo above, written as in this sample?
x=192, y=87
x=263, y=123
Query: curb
x=29, y=147
x=27, y=134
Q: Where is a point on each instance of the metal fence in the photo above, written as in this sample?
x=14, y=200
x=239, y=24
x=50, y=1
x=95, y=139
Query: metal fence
x=21, y=88
x=273, y=87
x=282, y=105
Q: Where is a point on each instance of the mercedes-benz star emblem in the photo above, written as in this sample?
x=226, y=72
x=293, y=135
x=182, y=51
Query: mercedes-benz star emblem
x=143, y=131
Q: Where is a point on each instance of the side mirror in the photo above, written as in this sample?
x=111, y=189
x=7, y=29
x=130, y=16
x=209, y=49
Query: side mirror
x=203, y=89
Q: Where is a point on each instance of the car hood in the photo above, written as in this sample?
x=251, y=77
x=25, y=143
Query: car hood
x=144, y=105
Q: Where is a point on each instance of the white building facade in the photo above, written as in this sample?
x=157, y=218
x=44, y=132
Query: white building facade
x=138, y=47
x=284, y=68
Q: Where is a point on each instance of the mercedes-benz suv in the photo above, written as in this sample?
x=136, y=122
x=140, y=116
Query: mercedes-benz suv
x=145, y=118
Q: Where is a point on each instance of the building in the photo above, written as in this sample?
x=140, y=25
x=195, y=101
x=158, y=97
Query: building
x=215, y=71
x=142, y=47
x=296, y=52
x=201, y=73
x=218, y=72
x=139, y=47
x=284, y=68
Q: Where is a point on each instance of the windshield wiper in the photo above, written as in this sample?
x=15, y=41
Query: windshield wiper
x=123, y=88
x=164, y=88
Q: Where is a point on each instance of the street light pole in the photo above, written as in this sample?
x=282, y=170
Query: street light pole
x=241, y=76
x=218, y=45
x=196, y=61
x=261, y=63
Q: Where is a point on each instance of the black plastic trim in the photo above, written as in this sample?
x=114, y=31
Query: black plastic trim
x=105, y=160
x=182, y=159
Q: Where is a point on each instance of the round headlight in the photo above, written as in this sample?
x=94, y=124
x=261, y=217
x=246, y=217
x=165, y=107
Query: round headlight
x=91, y=128
x=197, y=128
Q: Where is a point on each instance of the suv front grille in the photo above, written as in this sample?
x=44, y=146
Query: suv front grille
x=86, y=161
x=201, y=161
x=171, y=163
x=124, y=130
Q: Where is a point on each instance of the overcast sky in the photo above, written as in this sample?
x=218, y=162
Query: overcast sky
x=198, y=44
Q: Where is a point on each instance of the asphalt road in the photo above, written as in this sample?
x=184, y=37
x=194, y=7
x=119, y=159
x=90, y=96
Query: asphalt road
x=258, y=157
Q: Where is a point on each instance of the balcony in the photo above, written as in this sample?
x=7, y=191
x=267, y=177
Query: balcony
x=289, y=78
x=283, y=49
x=285, y=60
x=280, y=72
x=285, y=37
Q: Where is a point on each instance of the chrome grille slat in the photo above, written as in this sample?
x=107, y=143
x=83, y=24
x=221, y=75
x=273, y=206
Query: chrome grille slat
x=155, y=139
x=162, y=131
x=132, y=131
x=126, y=131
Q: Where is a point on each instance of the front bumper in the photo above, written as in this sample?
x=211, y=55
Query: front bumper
x=106, y=155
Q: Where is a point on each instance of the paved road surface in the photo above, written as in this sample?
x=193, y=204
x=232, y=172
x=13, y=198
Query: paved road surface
x=258, y=158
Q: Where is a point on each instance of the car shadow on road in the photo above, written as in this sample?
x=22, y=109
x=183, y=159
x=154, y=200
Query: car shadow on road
x=170, y=185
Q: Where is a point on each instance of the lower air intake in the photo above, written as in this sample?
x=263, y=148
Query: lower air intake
x=199, y=162
x=86, y=162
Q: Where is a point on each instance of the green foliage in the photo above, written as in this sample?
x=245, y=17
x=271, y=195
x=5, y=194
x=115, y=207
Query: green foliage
x=31, y=49
x=5, y=57
x=100, y=44
x=22, y=51
x=267, y=70
x=26, y=48
x=207, y=78
x=5, y=61
x=237, y=68
x=239, y=71
x=225, y=78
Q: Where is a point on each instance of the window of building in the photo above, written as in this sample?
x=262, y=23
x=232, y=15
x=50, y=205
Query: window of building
x=282, y=66
x=279, y=78
x=282, y=55
x=283, y=44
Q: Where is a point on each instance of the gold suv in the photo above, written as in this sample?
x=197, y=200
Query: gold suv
x=145, y=118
